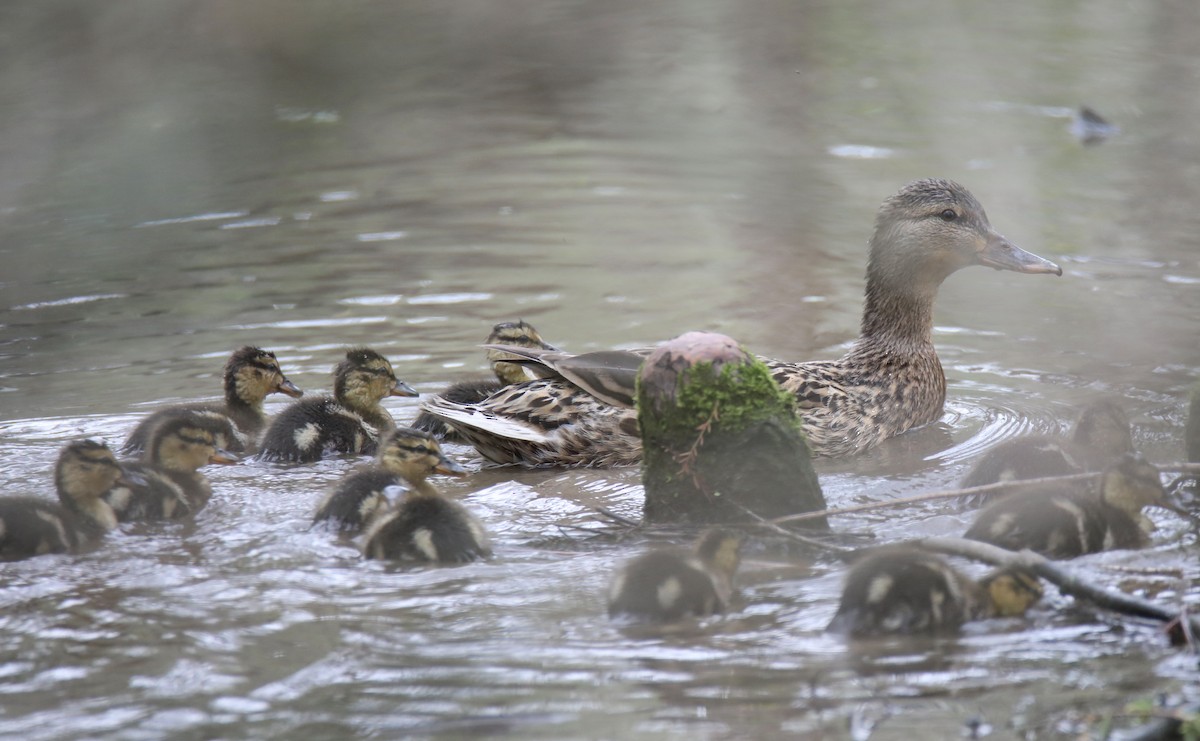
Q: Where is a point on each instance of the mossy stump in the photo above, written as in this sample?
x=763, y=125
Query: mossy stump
x=720, y=437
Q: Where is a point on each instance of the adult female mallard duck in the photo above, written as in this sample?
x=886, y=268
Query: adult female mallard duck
x=1101, y=434
x=407, y=457
x=1069, y=519
x=514, y=334
x=350, y=421
x=167, y=484
x=903, y=590
x=666, y=585
x=426, y=526
x=890, y=380
x=251, y=374
x=32, y=526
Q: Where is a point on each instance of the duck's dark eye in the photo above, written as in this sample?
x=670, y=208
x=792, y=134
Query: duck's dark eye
x=948, y=215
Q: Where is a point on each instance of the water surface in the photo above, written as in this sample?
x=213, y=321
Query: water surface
x=181, y=179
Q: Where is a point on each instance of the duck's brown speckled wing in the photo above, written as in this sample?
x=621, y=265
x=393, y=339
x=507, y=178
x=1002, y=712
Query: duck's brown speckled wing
x=545, y=422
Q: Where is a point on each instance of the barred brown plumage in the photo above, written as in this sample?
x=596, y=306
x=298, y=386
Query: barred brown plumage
x=889, y=382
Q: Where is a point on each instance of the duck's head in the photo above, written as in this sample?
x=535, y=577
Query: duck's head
x=365, y=377
x=1133, y=483
x=519, y=334
x=1102, y=431
x=720, y=550
x=414, y=454
x=1012, y=591
x=86, y=469
x=252, y=373
x=932, y=228
x=187, y=440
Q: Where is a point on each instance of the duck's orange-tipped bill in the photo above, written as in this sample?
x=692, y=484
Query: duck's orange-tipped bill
x=449, y=467
x=1001, y=254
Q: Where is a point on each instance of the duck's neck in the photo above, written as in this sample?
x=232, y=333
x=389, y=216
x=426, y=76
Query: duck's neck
x=245, y=408
x=898, y=317
x=421, y=487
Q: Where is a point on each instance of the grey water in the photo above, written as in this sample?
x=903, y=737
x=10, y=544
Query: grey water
x=182, y=178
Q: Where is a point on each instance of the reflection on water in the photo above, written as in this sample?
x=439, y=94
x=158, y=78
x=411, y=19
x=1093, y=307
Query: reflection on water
x=182, y=178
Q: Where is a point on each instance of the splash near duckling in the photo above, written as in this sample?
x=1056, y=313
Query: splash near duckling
x=720, y=437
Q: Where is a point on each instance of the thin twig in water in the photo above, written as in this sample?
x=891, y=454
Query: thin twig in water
x=1067, y=582
x=770, y=525
x=615, y=517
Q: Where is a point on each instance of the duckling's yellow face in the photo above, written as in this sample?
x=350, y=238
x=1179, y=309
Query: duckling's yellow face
x=87, y=468
x=257, y=374
x=1132, y=484
x=721, y=552
x=185, y=448
x=1012, y=591
x=365, y=378
x=415, y=455
x=518, y=334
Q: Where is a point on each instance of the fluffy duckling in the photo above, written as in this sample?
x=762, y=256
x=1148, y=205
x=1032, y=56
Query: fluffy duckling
x=1100, y=435
x=516, y=334
x=31, y=526
x=167, y=484
x=903, y=590
x=890, y=381
x=350, y=421
x=251, y=374
x=407, y=456
x=426, y=526
x=666, y=585
x=1069, y=519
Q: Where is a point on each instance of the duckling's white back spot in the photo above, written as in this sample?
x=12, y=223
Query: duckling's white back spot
x=1081, y=518
x=422, y=539
x=669, y=592
x=879, y=588
x=307, y=436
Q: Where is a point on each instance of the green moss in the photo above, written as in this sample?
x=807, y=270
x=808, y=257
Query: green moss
x=722, y=442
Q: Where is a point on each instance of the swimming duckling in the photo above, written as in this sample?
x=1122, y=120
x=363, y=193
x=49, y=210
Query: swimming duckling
x=1100, y=435
x=426, y=526
x=31, y=526
x=890, y=381
x=350, y=421
x=1069, y=519
x=518, y=334
x=251, y=374
x=666, y=585
x=903, y=590
x=406, y=457
x=168, y=483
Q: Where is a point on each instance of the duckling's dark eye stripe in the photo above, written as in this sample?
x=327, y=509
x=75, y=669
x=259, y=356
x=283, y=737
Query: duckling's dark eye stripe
x=413, y=448
x=195, y=440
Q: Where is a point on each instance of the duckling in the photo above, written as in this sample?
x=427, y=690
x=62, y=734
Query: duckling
x=667, y=585
x=406, y=457
x=251, y=374
x=167, y=483
x=890, y=381
x=1069, y=519
x=426, y=526
x=903, y=590
x=31, y=526
x=348, y=422
x=517, y=334
x=1100, y=435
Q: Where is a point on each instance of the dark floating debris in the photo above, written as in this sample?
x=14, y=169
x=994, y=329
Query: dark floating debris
x=1090, y=127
